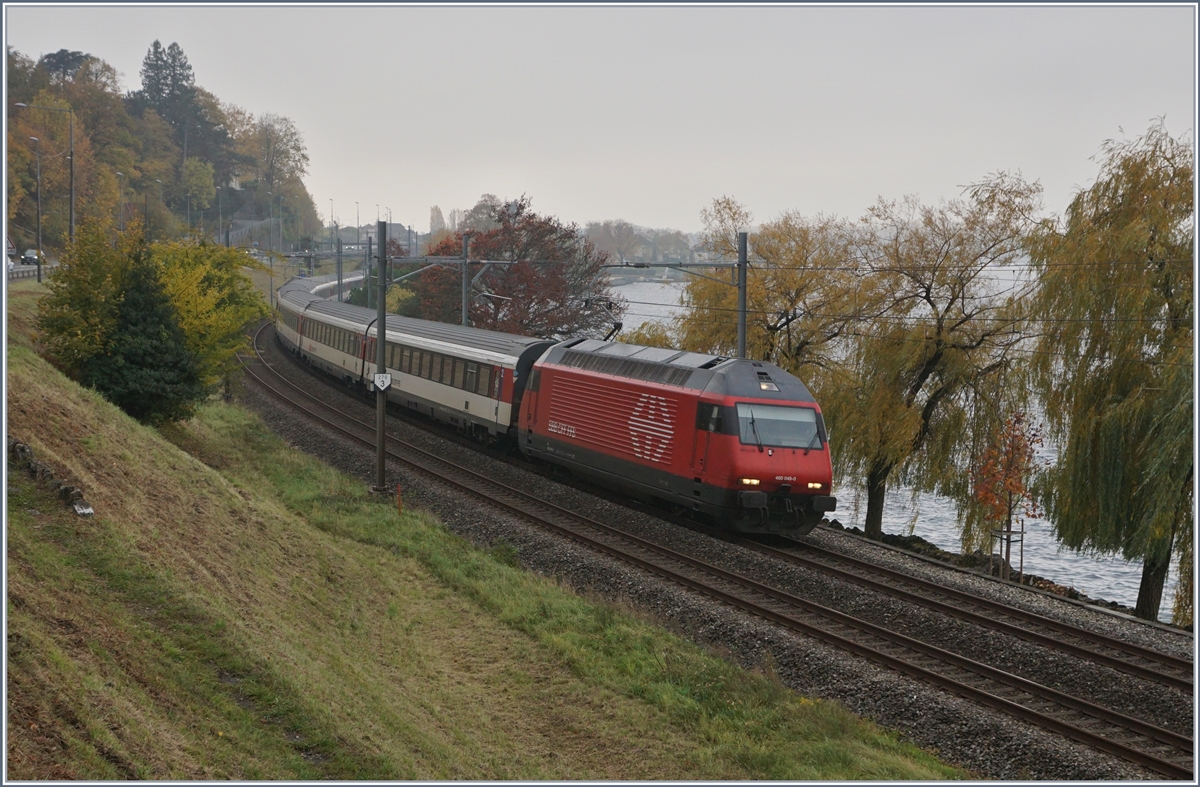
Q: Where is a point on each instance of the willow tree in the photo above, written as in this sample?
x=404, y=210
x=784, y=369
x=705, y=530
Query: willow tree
x=905, y=403
x=1115, y=359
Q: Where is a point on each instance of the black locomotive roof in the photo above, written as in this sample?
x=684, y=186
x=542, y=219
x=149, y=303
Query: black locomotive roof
x=713, y=374
x=755, y=380
x=298, y=291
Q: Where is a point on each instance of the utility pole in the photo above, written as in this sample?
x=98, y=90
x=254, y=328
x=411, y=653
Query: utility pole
x=741, y=274
x=466, y=283
x=367, y=274
x=380, y=366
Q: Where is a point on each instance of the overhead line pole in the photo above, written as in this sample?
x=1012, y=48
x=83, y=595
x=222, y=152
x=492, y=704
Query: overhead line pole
x=741, y=284
x=466, y=283
x=380, y=363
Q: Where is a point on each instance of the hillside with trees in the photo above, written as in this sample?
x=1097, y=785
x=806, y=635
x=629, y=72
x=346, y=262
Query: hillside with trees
x=169, y=153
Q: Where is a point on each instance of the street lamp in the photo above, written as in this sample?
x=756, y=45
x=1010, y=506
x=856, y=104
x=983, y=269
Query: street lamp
x=280, y=195
x=121, y=200
x=331, y=224
x=71, y=113
x=356, y=223
x=37, y=151
x=270, y=215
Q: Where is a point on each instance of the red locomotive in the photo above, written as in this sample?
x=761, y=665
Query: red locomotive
x=742, y=442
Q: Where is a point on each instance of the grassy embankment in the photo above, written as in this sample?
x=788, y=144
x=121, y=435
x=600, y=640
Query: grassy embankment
x=236, y=609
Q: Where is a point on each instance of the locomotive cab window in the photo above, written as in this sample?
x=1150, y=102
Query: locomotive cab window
x=708, y=417
x=778, y=427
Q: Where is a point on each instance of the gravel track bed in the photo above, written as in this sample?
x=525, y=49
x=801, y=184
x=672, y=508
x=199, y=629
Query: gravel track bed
x=992, y=745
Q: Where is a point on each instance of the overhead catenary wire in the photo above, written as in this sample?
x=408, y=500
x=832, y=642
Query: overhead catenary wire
x=899, y=318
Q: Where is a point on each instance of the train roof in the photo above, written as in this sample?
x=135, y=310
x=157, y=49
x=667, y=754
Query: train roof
x=713, y=374
x=299, y=292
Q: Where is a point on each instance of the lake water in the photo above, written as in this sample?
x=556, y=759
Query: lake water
x=932, y=517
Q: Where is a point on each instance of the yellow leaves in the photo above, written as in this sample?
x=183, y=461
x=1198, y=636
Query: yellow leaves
x=213, y=299
x=398, y=298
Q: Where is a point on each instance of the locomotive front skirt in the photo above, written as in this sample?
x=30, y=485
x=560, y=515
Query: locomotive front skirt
x=741, y=442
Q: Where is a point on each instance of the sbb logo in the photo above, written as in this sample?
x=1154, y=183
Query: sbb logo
x=650, y=428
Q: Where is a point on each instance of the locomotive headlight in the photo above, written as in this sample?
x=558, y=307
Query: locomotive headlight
x=750, y=482
x=813, y=485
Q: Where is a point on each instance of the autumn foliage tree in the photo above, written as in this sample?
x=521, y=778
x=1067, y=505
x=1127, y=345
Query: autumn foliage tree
x=1001, y=480
x=542, y=279
x=214, y=301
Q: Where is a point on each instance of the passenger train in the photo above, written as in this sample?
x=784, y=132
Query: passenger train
x=740, y=442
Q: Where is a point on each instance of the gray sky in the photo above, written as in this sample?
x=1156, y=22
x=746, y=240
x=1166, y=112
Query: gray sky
x=648, y=113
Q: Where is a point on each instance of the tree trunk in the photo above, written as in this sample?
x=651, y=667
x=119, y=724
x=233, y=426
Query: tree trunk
x=1154, y=576
x=876, y=487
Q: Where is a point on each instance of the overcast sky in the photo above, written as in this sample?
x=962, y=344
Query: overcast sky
x=649, y=113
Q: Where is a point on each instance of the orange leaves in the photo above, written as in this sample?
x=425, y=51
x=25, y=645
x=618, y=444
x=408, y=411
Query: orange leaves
x=1000, y=480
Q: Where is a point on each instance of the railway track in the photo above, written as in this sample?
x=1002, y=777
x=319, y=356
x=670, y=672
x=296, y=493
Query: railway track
x=1160, y=750
x=1162, y=668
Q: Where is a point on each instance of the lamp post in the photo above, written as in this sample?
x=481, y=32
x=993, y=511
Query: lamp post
x=220, y=220
x=270, y=215
x=280, y=196
x=356, y=222
x=37, y=151
x=160, y=194
x=71, y=113
x=121, y=200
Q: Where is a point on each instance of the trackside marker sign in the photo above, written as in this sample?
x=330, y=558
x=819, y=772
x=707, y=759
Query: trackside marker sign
x=383, y=381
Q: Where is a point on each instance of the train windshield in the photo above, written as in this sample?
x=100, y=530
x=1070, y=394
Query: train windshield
x=779, y=427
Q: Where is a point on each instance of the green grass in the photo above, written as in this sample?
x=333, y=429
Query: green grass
x=239, y=610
